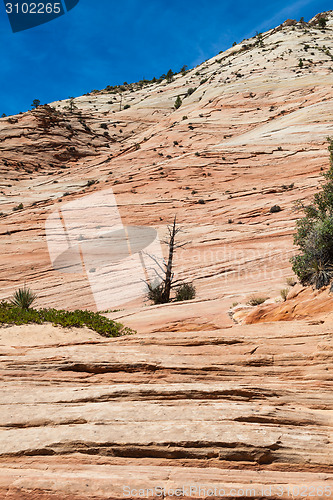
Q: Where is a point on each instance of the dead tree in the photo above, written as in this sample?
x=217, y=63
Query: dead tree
x=161, y=294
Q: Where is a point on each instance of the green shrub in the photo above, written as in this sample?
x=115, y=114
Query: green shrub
x=23, y=298
x=186, y=291
x=314, y=235
x=256, y=300
x=127, y=106
x=322, y=22
x=274, y=209
x=190, y=91
x=18, y=207
x=156, y=293
x=178, y=102
x=11, y=314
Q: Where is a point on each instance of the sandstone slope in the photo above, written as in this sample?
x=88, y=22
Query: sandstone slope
x=251, y=135
x=192, y=399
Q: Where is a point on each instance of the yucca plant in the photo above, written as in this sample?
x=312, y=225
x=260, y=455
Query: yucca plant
x=23, y=298
x=320, y=274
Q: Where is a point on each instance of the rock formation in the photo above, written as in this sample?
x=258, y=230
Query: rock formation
x=192, y=399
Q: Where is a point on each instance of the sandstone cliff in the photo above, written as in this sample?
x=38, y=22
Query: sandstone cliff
x=192, y=399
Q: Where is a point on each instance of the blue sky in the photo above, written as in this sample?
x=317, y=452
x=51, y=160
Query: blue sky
x=105, y=42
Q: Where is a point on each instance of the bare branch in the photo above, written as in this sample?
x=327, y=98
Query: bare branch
x=156, y=261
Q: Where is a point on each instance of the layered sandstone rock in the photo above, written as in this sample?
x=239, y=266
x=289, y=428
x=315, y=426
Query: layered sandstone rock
x=192, y=399
x=251, y=135
x=247, y=406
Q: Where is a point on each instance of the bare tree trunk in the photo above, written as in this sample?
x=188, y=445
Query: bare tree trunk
x=168, y=272
x=161, y=293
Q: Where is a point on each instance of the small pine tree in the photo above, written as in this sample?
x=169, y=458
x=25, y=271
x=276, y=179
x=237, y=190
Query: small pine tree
x=178, y=102
x=300, y=63
x=322, y=22
x=183, y=70
x=169, y=76
x=35, y=103
x=71, y=106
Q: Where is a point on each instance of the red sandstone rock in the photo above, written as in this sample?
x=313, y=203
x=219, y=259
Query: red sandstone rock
x=191, y=399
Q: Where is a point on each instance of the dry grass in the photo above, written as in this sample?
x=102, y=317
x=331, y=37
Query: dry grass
x=256, y=300
x=284, y=292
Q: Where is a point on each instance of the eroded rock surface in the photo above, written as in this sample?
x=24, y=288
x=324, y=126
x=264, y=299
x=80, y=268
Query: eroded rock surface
x=239, y=406
x=192, y=399
x=251, y=135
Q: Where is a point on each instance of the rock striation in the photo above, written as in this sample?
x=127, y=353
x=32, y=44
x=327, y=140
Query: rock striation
x=240, y=407
x=250, y=134
x=193, y=399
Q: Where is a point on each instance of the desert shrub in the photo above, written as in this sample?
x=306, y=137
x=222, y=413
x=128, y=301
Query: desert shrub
x=190, y=91
x=18, y=207
x=155, y=293
x=291, y=281
x=274, y=209
x=184, y=117
x=256, y=300
x=284, y=292
x=13, y=315
x=186, y=291
x=314, y=235
x=127, y=106
x=23, y=298
x=201, y=201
